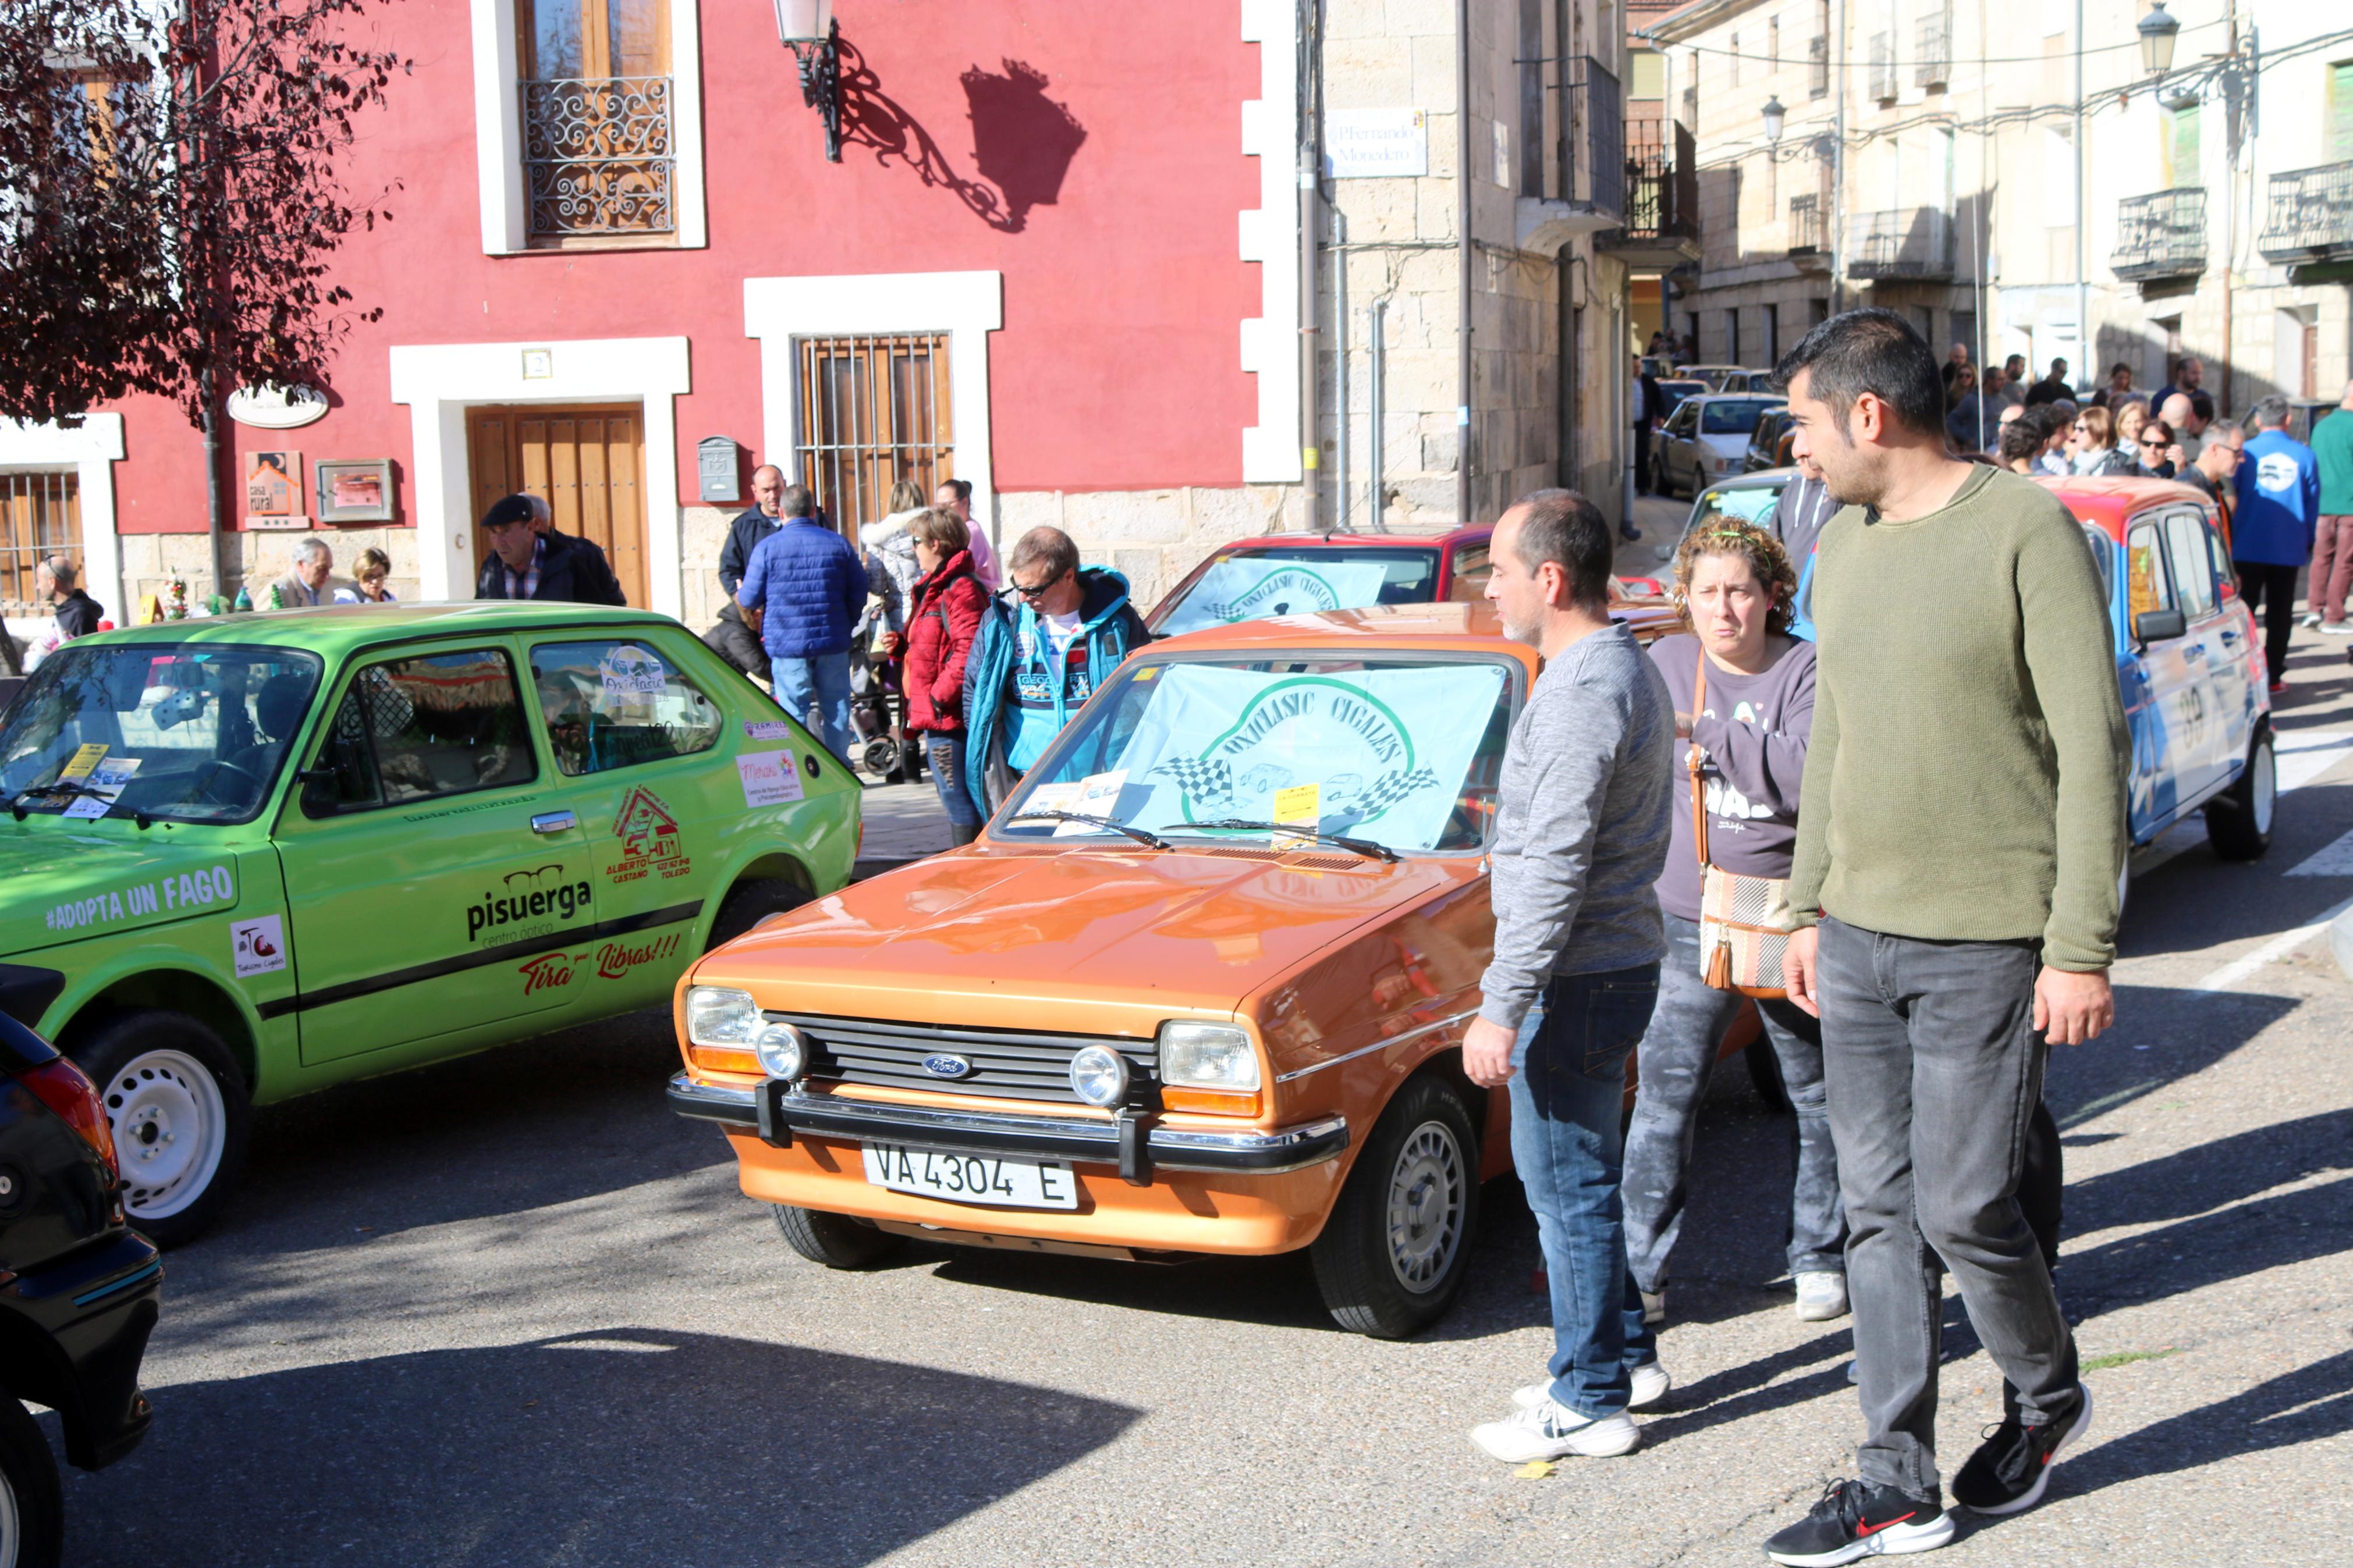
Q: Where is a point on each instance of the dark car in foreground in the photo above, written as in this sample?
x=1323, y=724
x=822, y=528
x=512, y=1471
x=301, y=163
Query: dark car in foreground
x=79, y=1288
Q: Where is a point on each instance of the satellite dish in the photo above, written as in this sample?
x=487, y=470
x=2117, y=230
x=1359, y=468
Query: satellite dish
x=269, y=407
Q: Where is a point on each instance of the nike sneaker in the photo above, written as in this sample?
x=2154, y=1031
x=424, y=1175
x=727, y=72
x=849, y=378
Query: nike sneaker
x=1855, y=1519
x=2011, y=1468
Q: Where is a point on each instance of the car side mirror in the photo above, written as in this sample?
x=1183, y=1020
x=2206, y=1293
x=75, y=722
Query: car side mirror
x=2158, y=625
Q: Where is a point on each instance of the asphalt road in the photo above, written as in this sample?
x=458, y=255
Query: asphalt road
x=509, y=1311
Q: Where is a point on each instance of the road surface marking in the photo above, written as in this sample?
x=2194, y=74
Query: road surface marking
x=2336, y=860
x=2280, y=946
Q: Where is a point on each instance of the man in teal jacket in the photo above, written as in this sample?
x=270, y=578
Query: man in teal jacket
x=1054, y=634
x=2332, y=549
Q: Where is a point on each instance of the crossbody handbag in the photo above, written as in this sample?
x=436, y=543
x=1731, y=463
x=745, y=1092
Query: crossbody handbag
x=1744, y=922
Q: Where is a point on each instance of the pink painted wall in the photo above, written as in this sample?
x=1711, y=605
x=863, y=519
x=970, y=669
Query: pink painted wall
x=1117, y=367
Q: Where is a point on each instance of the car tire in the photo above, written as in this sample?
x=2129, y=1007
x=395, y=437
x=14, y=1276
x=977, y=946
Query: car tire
x=749, y=903
x=2238, y=822
x=1764, y=1072
x=1398, y=1244
x=1659, y=485
x=835, y=1240
x=179, y=1110
x=32, y=1505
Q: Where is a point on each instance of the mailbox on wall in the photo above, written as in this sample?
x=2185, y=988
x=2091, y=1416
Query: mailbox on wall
x=719, y=462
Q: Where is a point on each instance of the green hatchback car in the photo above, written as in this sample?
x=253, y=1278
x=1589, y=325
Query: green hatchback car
x=256, y=855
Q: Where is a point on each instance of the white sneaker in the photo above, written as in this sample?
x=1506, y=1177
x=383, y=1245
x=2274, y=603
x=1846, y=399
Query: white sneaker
x=1654, y=1307
x=1650, y=1379
x=2336, y=628
x=2309, y=619
x=1548, y=1431
x=1822, y=1296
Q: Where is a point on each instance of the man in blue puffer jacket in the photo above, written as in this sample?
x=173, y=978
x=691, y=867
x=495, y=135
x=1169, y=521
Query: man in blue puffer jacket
x=1053, y=635
x=807, y=587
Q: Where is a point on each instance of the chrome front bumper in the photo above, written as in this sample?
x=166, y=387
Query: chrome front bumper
x=777, y=1111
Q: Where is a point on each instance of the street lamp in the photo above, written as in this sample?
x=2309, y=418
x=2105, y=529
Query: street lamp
x=1774, y=117
x=806, y=27
x=2156, y=32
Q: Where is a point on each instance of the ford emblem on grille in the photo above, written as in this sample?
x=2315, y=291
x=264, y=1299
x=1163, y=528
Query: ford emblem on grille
x=941, y=1065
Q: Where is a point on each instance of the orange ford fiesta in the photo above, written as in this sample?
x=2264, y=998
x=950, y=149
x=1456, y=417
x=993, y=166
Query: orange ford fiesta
x=1199, y=988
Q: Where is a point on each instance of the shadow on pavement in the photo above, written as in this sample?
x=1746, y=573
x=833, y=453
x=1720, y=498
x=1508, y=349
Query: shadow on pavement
x=1278, y=1292
x=2307, y=1405
x=626, y=1445
x=2160, y=1035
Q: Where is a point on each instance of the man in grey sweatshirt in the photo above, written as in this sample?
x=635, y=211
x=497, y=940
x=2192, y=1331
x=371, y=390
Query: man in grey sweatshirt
x=1580, y=838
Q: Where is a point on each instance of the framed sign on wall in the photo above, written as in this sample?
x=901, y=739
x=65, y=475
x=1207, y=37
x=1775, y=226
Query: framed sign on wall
x=273, y=490
x=356, y=491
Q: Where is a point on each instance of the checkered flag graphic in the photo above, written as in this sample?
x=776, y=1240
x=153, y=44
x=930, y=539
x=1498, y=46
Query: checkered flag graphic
x=1207, y=779
x=1390, y=788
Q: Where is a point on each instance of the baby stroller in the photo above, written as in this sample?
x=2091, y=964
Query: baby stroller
x=878, y=709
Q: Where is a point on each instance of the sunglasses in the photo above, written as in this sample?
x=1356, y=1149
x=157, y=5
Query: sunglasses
x=1040, y=592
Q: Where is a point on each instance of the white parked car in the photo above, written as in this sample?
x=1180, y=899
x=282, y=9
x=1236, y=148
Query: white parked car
x=1726, y=377
x=1706, y=439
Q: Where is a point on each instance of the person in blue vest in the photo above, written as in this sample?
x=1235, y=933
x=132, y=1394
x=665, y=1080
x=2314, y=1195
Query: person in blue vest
x=2272, y=531
x=1046, y=644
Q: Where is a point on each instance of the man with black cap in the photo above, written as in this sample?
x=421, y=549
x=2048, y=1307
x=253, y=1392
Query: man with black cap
x=524, y=564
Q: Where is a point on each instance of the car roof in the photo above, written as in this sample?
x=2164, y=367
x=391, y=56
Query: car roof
x=1357, y=540
x=2110, y=504
x=1448, y=627
x=332, y=629
x=1739, y=397
x=1757, y=480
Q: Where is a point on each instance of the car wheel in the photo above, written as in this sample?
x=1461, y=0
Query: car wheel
x=32, y=1506
x=835, y=1240
x=2239, y=824
x=178, y=1108
x=749, y=903
x=1764, y=1072
x=1397, y=1243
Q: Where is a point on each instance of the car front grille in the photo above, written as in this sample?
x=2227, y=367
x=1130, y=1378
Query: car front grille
x=1010, y=1064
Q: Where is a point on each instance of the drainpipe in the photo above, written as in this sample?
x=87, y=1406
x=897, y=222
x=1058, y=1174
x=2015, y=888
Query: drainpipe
x=1340, y=370
x=1462, y=258
x=2084, y=358
x=1838, y=160
x=1376, y=484
x=1310, y=338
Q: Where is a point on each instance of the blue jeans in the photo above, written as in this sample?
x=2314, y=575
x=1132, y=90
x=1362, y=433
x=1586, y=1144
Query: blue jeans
x=944, y=755
x=823, y=680
x=1567, y=1092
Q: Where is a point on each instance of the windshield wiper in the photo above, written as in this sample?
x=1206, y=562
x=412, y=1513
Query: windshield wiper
x=1239, y=825
x=1150, y=841
x=68, y=787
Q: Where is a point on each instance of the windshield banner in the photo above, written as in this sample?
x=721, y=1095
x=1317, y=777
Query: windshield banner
x=1384, y=748
x=1248, y=588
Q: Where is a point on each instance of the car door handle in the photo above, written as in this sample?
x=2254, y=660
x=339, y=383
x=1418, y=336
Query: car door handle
x=554, y=822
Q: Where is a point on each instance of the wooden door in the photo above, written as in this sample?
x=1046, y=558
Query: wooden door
x=589, y=465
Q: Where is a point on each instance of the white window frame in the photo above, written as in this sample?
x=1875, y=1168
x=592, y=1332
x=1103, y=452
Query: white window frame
x=89, y=455
x=965, y=306
x=497, y=131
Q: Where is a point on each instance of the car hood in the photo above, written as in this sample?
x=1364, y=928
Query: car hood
x=65, y=882
x=984, y=936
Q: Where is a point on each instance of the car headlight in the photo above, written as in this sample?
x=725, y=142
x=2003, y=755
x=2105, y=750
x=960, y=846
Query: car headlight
x=1099, y=1076
x=782, y=1051
x=1207, y=1056
x=718, y=1017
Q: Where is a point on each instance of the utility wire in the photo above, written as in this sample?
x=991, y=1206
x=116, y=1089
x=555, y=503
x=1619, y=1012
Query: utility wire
x=1744, y=55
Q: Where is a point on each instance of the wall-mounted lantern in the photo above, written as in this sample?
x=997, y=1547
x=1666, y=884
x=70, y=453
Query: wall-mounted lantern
x=2157, y=34
x=1775, y=118
x=806, y=27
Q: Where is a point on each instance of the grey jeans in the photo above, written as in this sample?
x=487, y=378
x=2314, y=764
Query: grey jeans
x=1676, y=1057
x=1935, y=1069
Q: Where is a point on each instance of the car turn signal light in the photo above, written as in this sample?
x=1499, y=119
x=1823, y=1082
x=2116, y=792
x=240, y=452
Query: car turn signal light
x=1214, y=1101
x=715, y=1059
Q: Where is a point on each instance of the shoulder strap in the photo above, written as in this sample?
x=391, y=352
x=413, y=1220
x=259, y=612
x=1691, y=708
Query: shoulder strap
x=1691, y=760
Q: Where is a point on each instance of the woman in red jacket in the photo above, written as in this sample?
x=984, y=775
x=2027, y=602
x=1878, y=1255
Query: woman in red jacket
x=944, y=611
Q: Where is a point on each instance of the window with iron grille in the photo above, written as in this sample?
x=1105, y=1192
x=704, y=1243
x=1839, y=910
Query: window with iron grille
x=1817, y=68
x=1933, y=67
x=1883, y=67
x=598, y=157
x=40, y=515
x=874, y=410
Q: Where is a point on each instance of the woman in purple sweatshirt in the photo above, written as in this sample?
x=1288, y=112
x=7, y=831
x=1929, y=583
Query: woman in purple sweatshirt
x=1735, y=584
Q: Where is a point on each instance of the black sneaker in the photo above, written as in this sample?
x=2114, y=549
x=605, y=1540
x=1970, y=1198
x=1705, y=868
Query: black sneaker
x=2012, y=1466
x=1857, y=1520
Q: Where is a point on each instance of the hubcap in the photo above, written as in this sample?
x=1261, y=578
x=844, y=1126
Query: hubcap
x=2266, y=787
x=169, y=1122
x=11, y=1530
x=1427, y=1189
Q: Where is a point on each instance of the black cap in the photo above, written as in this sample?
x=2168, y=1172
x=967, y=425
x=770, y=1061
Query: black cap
x=506, y=510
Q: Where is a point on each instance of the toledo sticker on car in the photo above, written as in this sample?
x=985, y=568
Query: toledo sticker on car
x=648, y=836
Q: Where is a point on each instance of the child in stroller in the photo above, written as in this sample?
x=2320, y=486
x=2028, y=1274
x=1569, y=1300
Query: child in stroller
x=878, y=709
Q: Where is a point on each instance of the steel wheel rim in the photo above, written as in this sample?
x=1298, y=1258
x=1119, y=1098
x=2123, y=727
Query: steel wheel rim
x=12, y=1531
x=2265, y=791
x=1428, y=1191
x=170, y=1124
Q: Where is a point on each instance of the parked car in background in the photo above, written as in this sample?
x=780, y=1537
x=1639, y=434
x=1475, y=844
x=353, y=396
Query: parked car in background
x=79, y=1290
x=1750, y=497
x=1769, y=444
x=1141, y=1018
x=1723, y=378
x=2189, y=662
x=1673, y=392
x=257, y=855
x=1706, y=439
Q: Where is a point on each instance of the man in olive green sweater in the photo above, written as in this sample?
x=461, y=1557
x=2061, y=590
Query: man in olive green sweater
x=1960, y=835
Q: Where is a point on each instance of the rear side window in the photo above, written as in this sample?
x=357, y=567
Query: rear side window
x=2193, y=568
x=2145, y=585
x=612, y=705
x=422, y=727
x=1471, y=568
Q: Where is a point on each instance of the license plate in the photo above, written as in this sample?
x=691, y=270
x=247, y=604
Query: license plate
x=971, y=1178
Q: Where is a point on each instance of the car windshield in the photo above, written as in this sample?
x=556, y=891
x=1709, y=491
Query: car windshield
x=1676, y=391
x=1249, y=584
x=1746, y=503
x=1403, y=751
x=173, y=731
x=1736, y=417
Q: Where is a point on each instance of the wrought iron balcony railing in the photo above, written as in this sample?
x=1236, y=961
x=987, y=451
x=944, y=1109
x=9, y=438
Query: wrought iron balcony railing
x=1662, y=185
x=1883, y=67
x=1817, y=68
x=2162, y=234
x=2310, y=216
x=1935, y=67
x=1806, y=225
x=597, y=155
x=1909, y=242
x=1600, y=124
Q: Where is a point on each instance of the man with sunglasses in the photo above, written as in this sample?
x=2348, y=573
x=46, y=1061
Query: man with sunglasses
x=1053, y=635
